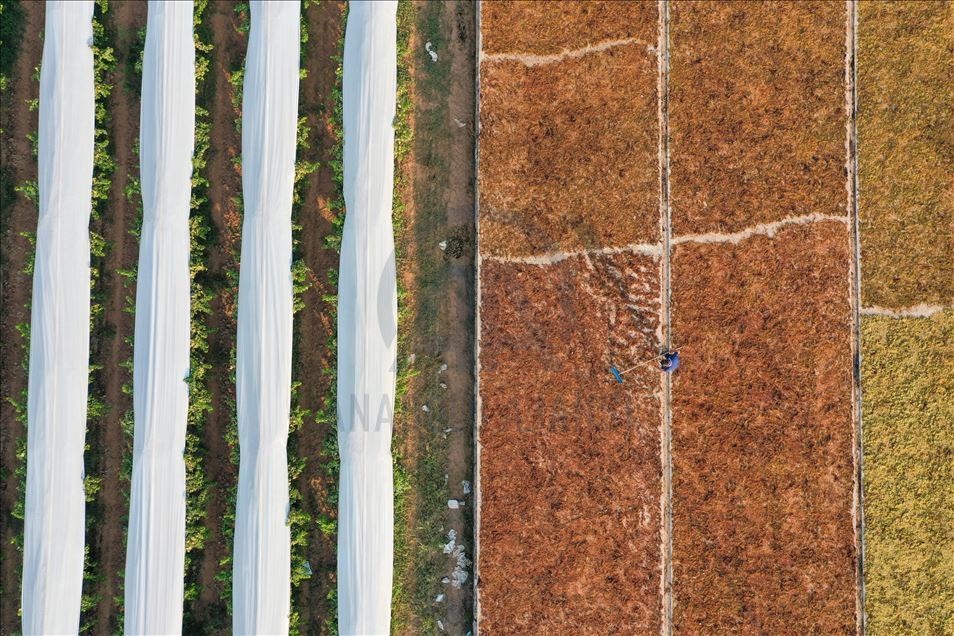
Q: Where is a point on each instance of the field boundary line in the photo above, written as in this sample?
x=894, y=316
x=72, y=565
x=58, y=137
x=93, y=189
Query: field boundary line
x=854, y=228
x=762, y=229
x=532, y=59
x=661, y=249
x=478, y=43
x=915, y=311
x=665, y=291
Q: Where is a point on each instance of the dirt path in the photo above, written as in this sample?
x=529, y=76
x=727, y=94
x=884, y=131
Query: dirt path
x=18, y=166
x=315, y=324
x=457, y=315
x=225, y=190
x=436, y=447
x=107, y=535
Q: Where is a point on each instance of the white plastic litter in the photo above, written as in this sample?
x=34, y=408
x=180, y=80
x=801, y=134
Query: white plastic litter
x=430, y=51
x=261, y=587
x=156, y=538
x=367, y=322
x=54, y=518
x=451, y=541
x=459, y=575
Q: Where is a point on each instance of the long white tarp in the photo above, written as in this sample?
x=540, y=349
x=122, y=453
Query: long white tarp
x=367, y=322
x=261, y=586
x=59, y=344
x=155, y=549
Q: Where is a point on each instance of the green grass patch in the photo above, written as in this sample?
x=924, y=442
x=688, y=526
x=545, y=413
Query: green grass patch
x=908, y=411
x=420, y=447
x=11, y=35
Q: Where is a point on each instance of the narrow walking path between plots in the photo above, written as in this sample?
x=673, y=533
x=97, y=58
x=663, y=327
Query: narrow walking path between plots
x=916, y=311
x=665, y=324
x=851, y=188
x=530, y=59
x=661, y=249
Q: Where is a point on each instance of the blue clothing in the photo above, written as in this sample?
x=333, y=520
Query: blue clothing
x=670, y=361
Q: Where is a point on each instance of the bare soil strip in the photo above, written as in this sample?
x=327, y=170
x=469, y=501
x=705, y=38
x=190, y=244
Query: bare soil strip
x=19, y=215
x=209, y=609
x=552, y=258
x=108, y=536
x=665, y=274
x=851, y=187
x=315, y=324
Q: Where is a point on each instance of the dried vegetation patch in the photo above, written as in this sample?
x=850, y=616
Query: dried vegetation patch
x=757, y=112
x=570, y=460
x=762, y=435
x=546, y=28
x=906, y=151
x=908, y=391
x=569, y=153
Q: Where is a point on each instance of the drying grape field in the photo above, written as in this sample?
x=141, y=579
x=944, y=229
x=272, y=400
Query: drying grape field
x=731, y=179
x=905, y=125
x=766, y=186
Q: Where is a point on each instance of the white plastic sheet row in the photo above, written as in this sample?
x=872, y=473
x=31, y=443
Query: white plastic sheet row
x=59, y=344
x=367, y=322
x=261, y=586
x=155, y=548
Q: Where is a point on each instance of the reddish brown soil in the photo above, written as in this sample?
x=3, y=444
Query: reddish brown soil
x=107, y=536
x=763, y=537
x=225, y=192
x=757, y=112
x=570, y=460
x=315, y=324
x=569, y=152
x=544, y=27
x=18, y=166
